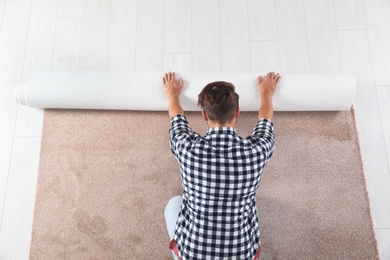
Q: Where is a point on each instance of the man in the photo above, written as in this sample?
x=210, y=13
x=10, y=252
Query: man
x=216, y=217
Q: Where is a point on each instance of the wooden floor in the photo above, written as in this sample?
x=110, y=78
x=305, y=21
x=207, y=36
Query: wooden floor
x=290, y=36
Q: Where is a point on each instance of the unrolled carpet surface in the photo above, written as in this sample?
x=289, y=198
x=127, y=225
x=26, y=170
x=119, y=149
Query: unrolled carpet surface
x=106, y=176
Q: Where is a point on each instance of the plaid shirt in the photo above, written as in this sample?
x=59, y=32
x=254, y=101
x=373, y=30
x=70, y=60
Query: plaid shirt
x=220, y=174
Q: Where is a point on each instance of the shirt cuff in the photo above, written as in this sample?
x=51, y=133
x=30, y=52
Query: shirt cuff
x=266, y=121
x=178, y=117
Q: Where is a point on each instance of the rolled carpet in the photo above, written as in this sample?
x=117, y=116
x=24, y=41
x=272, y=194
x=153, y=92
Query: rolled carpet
x=142, y=90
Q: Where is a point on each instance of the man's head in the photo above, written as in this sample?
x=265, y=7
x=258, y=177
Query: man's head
x=219, y=102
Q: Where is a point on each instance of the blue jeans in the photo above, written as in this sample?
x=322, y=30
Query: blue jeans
x=171, y=213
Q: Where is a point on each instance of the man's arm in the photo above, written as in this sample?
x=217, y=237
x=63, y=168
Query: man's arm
x=267, y=87
x=173, y=89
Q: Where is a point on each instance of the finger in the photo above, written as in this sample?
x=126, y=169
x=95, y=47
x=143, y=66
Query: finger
x=180, y=83
x=163, y=80
x=173, y=76
x=269, y=75
x=278, y=79
x=259, y=79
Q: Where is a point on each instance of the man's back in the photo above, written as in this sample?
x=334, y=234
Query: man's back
x=220, y=174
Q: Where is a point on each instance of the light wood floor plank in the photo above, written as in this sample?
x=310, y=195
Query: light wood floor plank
x=94, y=38
x=150, y=2
x=235, y=54
x=123, y=30
x=177, y=38
x=13, y=39
x=355, y=60
x=383, y=237
x=378, y=28
x=40, y=37
x=15, y=234
x=150, y=37
x=2, y=5
x=265, y=56
x=206, y=36
x=178, y=62
x=67, y=38
x=262, y=20
x=322, y=37
x=8, y=108
x=70, y=8
x=384, y=105
x=349, y=14
x=293, y=44
x=28, y=122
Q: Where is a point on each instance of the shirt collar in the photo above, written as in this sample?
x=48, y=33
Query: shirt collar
x=220, y=131
x=221, y=136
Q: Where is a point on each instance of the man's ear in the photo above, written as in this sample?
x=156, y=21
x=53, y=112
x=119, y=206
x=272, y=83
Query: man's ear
x=204, y=115
x=237, y=113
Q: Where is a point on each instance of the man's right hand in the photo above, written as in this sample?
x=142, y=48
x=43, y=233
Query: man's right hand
x=267, y=88
x=171, y=86
x=173, y=89
x=268, y=85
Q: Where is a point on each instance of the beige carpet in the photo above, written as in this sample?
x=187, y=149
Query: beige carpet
x=106, y=176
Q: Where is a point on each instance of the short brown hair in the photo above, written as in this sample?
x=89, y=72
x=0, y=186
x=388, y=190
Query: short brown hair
x=219, y=101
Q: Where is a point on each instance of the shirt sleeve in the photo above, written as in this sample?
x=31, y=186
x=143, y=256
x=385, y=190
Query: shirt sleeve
x=180, y=133
x=263, y=134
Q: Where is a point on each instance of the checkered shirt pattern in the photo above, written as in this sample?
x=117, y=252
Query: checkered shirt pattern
x=220, y=174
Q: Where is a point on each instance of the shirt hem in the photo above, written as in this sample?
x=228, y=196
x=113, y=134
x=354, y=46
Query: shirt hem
x=173, y=246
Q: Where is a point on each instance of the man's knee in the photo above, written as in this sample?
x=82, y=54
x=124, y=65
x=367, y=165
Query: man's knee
x=173, y=205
